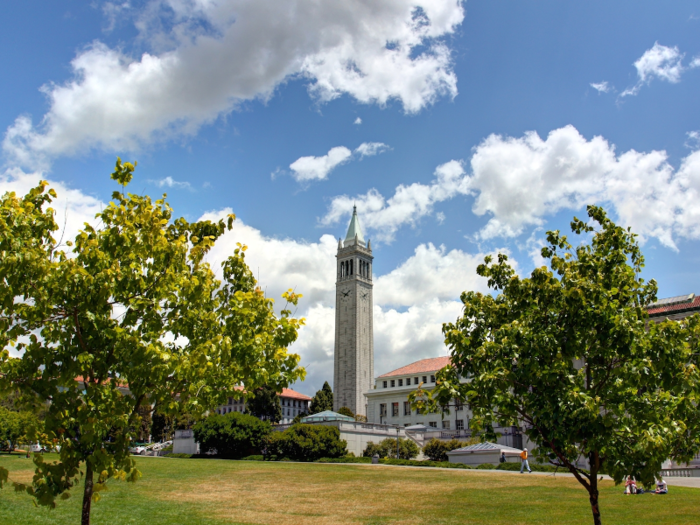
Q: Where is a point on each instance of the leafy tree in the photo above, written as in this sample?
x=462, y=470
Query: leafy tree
x=323, y=400
x=232, y=435
x=161, y=426
x=264, y=403
x=133, y=305
x=16, y=427
x=387, y=449
x=571, y=355
x=297, y=418
x=345, y=411
x=437, y=450
x=307, y=443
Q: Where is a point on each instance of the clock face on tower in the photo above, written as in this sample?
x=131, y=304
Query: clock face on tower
x=345, y=294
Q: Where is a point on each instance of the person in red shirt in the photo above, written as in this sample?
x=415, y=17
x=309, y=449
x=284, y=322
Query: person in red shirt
x=523, y=461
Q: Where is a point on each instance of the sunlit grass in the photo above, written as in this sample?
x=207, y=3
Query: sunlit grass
x=193, y=491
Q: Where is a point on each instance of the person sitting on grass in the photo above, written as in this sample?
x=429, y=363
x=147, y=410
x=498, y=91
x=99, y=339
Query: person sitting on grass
x=523, y=461
x=661, y=487
x=630, y=486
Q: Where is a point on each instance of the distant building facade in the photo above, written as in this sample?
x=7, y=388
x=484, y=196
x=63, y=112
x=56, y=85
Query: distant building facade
x=293, y=403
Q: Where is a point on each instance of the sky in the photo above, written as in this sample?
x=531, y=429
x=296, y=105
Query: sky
x=458, y=128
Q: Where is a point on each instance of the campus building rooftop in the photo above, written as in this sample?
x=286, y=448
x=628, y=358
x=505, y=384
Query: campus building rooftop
x=419, y=367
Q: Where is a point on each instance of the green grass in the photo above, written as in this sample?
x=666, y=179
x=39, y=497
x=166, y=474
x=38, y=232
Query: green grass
x=198, y=491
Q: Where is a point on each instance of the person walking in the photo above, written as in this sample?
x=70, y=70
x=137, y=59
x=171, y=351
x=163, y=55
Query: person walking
x=523, y=461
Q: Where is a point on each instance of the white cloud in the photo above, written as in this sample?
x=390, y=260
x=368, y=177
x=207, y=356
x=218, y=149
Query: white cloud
x=693, y=141
x=368, y=149
x=430, y=273
x=662, y=62
x=519, y=181
x=406, y=207
x=601, y=87
x=169, y=182
x=318, y=168
x=695, y=62
x=358, y=121
x=215, y=55
x=113, y=12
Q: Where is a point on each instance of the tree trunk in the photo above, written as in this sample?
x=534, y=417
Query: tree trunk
x=593, y=498
x=87, y=494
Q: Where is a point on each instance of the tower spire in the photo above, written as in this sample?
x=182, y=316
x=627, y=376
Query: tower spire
x=354, y=228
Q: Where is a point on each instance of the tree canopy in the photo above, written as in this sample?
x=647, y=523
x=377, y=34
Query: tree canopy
x=323, y=400
x=570, y=355
x=264, y=403
x=130, y=314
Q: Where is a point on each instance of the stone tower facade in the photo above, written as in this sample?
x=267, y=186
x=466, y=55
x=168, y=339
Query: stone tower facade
x=353, y=373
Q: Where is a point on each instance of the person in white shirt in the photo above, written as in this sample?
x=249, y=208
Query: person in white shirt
x=661, y=487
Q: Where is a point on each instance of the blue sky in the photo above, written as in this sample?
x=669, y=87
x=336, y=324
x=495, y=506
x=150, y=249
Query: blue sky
x=458, y=128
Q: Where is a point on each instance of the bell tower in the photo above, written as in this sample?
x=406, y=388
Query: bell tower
x=353, y=372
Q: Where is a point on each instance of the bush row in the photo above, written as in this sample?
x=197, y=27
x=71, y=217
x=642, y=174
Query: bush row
x=387, y=448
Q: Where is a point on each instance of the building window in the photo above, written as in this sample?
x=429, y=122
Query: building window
x=400, y=382
x=446, y=425
x=432, y=424
x=432, y=379
x=458, y=405
x=382, y=410
x=425, y=379
x=459, y=424
x=393, y=383
x=230, y=401
x=415, y=381
x=384, y=384
x=394, y=410
x=406, y=408
x=408, y=381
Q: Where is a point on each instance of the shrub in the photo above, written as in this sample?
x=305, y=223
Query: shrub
x=346, y=412
x=232, y=435
x=346, y=459
x=437, y=450
x=387, y=448
x=307, y=443
x=486, y=466
x=413, y=463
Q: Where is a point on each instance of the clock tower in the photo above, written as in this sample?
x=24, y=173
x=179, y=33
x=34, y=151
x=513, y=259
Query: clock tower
x=353, y=371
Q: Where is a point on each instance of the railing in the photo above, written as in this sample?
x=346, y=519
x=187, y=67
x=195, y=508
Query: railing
x=681, y=472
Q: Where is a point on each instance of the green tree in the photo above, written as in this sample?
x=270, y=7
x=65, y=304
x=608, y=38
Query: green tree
x=135, y=305
x=307, y=443
x=570, y=355
x=16, y=427
x=161, y=426
x=346, y=412
x=232, y=435
x=323, y=400
x=436, y=450
x=264, y=403
x=387, y=449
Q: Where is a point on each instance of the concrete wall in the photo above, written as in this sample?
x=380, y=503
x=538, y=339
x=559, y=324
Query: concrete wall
x=184, y=443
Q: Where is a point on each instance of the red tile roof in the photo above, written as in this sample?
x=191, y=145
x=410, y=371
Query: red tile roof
x=287, y=392
x=656, y=309
x=420, y=367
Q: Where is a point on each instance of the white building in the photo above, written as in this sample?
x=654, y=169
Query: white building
x=293, y=403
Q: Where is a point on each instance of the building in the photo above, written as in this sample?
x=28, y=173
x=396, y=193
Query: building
x=674, y=308
x=353, y=365
x=293, y=403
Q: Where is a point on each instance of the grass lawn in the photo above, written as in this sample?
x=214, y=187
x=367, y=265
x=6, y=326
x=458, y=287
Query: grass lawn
x=198, y=491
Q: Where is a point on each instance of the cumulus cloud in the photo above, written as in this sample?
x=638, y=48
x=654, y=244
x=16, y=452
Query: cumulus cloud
x=358, y=121
x=601, y=87
x=318, y=168
x=519, y=181
x=662, y=62
x=406, y=207
x=431, y=272
x=169, y=182
x=208, y=57
x=368, y=149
